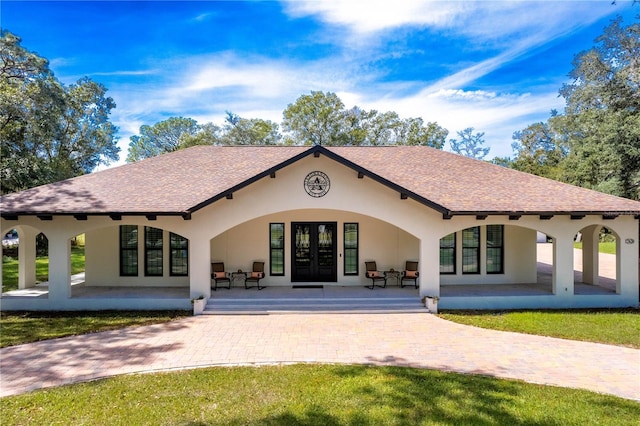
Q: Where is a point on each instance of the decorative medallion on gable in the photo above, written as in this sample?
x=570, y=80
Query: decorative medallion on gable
x=317, y=184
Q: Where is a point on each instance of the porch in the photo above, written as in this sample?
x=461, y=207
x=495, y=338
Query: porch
x=319, y=297
x=315, y=298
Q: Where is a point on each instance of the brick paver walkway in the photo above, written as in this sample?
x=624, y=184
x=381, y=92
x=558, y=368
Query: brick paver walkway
x=416, y=340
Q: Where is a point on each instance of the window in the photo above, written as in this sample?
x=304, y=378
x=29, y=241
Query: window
x=152, y=252
x=351, y=249
x=128, y=250
x=179, y=255
x=276, y=256
x=448, y=254
x=471, y=250
x=495, y=249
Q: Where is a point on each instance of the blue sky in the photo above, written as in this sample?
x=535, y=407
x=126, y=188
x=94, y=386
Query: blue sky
x=495, y=66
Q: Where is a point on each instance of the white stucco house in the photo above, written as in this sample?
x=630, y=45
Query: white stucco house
x=314, y=216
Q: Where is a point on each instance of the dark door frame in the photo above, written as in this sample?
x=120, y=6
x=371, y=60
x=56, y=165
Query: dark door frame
x=322, y=259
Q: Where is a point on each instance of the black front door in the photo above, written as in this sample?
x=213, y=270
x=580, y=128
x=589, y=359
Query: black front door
x=314, y=252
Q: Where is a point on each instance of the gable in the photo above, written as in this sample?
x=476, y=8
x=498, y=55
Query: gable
x=185, y=181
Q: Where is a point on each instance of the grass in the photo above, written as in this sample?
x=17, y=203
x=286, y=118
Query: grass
x=314, y=395
x=617, y=327
x=603, y=247
x=25, y=327
x=10, y=268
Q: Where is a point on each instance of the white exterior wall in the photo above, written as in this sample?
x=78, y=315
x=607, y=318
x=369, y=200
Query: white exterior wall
x=388, y=245
x=391, y=231
x=102, y=264
x=519, y=259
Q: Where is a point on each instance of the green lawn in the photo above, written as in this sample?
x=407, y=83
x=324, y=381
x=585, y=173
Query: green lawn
x=25, y=327
x=314, y=395
x=605, y=247
x=616, y=327
x=10, y=268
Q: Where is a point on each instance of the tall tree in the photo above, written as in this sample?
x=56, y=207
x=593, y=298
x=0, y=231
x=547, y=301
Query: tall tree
x=321, y=119
x=316, y=119
x=249, y=131
x=602, y=115
x=209, y=134
x=413, y=131
x=537, y=151
x=164, y=136
x=48, y=132
x=470, y=144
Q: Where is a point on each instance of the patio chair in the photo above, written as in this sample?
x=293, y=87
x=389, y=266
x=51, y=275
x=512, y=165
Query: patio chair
x=410, y=273
x=375, y=275
x=219, y=275
x=256, y=274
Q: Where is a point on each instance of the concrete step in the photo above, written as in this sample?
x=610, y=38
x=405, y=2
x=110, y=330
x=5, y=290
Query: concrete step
x=311, y=306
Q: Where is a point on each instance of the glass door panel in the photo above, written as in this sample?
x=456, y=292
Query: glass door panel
x=314, y=252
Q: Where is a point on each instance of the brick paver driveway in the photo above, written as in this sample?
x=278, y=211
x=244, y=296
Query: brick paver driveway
x=416, y=340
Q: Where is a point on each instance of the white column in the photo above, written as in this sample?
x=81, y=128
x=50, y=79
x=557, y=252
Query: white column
x=627, y=268
x=590, y=255
x=59, y=267
x=429, y=266
x=27, y=257
x=563, y=266
x=200, y=267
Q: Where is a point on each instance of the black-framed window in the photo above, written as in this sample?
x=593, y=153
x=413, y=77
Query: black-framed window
x=128, y=250
x=471, y=250
x=179, y=255
x=152, y=251
x=276, y=249
x=495, y=249
x=448, y=254
x=351, y=249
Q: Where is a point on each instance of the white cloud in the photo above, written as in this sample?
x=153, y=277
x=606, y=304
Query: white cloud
x=262, y=88
x=484, y=20
x=204, y=87
x=375, y=15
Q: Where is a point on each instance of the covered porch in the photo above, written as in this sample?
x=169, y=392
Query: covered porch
x=334, y=297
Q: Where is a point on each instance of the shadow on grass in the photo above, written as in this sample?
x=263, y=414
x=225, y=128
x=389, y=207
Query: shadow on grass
x=28, y=327
x=415, y=395
x=316, y=395
x=407, y=396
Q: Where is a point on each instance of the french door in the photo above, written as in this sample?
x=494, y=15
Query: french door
x=313, y=252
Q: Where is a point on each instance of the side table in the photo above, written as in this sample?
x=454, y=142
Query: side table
x=393, y=274
x=238, y=276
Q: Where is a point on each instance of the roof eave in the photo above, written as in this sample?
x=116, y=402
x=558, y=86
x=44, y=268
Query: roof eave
x=583, y=213
x=79, y=214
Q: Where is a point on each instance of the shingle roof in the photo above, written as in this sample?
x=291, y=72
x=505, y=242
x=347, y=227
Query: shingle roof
x=184, y=181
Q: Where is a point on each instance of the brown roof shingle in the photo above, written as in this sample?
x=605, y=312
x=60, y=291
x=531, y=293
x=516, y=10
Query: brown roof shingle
x=183, y=181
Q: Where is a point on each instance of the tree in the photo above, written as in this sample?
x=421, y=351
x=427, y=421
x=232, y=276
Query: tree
x=538, y=151
x=602, y=115
x=249, y=131
x=209, y=134
x=321, y=119
x=316, y=119
x=48, y=132
x=470, y=144
x=596, y=142
x=164, y=136
x=381, y=128
x=413, y=131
